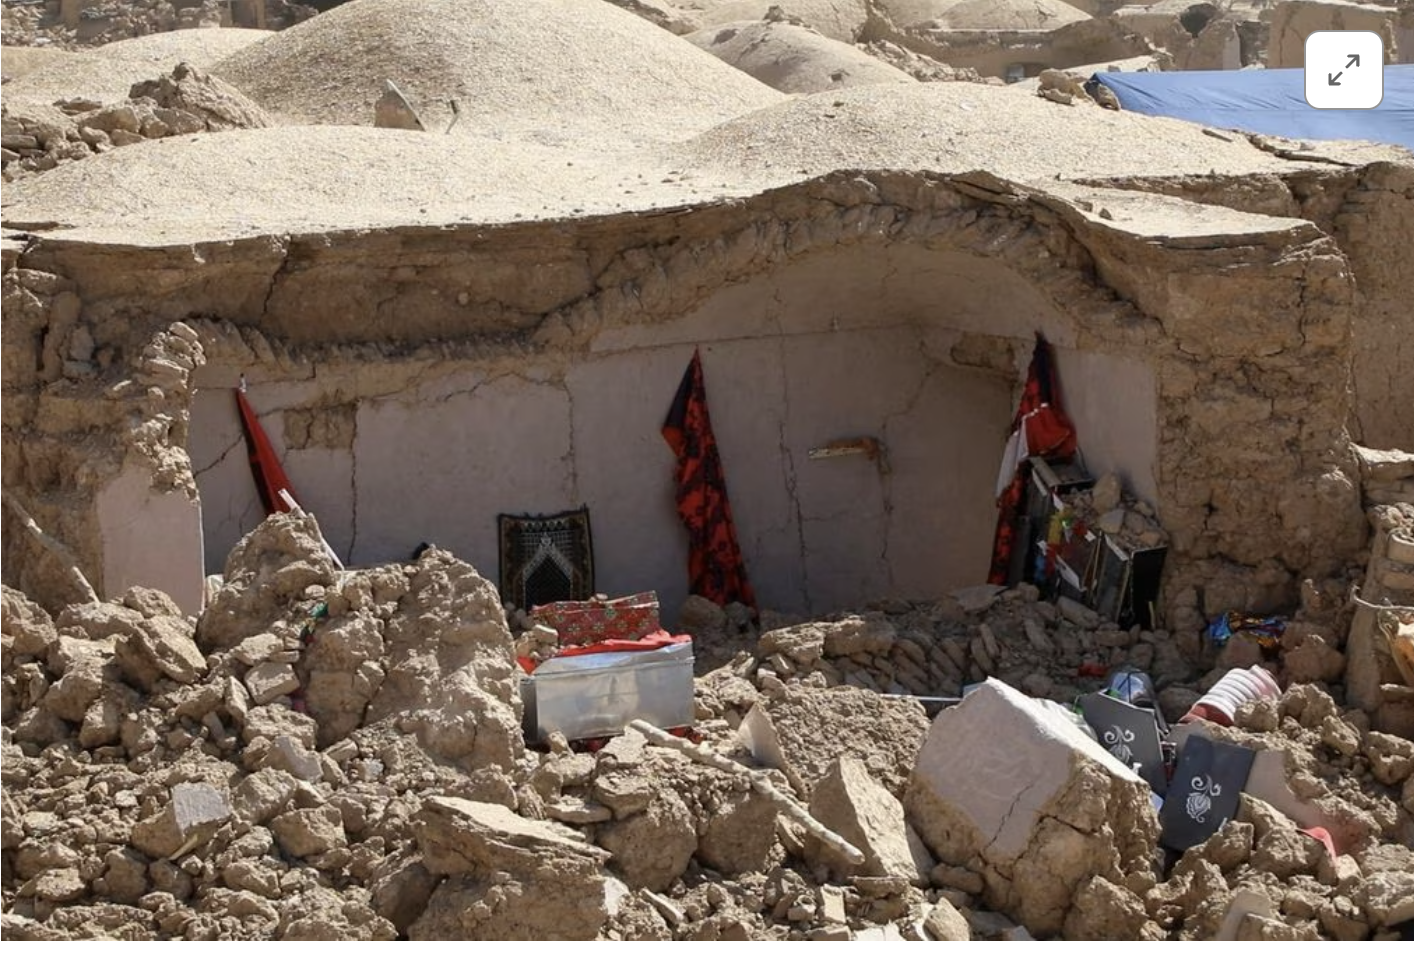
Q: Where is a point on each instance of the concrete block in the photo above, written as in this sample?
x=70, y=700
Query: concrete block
x=1017, y=788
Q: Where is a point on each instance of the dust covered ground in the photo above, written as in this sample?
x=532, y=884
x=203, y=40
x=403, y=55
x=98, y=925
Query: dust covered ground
x=329, y=754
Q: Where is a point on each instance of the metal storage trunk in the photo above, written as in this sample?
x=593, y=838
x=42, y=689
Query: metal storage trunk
x=597, y=694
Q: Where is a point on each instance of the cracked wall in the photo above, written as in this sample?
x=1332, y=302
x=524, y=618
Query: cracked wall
x=1369, y=213
x=1197, y=347
x=834, y=346
x=436, y=454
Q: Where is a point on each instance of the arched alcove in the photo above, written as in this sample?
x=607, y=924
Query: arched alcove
x=920, y=349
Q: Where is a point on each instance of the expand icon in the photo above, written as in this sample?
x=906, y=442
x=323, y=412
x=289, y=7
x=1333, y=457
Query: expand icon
x=1344, y=69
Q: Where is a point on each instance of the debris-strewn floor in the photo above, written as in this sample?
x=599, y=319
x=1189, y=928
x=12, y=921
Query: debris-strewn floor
x=339, y=755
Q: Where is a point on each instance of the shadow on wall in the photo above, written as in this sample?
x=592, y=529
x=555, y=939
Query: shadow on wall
x=835, y=347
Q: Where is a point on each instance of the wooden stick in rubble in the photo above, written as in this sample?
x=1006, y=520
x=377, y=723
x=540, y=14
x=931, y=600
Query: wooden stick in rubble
x=758, y=781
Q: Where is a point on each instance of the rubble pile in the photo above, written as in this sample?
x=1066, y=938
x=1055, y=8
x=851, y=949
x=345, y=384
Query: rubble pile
x=101, y=22
x=1128, y=522
x=920, y=66
x=1068, y=88
x=933, y=649
x=1381, y=678
x=1340, y=776
x=330, y=754
x=186, y=101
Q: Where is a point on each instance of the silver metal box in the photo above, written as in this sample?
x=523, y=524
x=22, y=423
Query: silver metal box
x=598, y=694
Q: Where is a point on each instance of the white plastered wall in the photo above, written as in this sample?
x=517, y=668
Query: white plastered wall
x=838, y=346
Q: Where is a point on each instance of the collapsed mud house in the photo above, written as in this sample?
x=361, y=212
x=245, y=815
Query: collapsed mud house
x=424, y=378
x=440, y=327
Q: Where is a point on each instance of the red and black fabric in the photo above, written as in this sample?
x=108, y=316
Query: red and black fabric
x=1040, y=428
x=265, y=466
x=714, y=565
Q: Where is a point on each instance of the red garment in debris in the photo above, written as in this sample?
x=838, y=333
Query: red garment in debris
x=1040, y=428
x=265, y=465
x=715, y=568
x=656, y=640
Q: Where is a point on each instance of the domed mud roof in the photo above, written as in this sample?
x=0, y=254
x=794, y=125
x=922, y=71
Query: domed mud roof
x=200, y=48
x=16, y=61
x=841, y=20
x=981, y=14
x=281, y=180
x=957, y=127
x=324, y=178
x=793, y=59
x=106, y=73
x=545, y=69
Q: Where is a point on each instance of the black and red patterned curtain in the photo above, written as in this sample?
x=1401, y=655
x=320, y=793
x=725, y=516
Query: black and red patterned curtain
x=714, y=565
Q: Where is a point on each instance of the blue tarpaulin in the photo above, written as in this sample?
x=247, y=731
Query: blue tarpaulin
x=1267, y=101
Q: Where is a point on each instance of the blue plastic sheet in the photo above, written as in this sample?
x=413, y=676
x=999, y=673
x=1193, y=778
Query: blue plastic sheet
x=1267, y=101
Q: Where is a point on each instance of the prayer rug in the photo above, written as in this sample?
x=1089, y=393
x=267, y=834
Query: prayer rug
x=546, y=558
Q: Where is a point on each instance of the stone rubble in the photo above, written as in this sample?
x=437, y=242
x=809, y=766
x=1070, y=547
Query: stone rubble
x=186, y=101
x=338, y=755
x=100, y=23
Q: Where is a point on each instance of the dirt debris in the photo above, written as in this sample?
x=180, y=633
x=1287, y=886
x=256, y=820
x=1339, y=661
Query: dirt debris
x=47, y=25
x=37, y=139
x=338, y=755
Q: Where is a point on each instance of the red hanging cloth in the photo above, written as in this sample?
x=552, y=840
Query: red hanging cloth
x=714, y=564
x=1040, y=428
x=265, y=466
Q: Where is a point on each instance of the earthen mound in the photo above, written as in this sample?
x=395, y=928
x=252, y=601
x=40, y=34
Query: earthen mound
x=842, y=20
x=981, y=14
x=201, y=47
x=17, y=61
x=793, y=59
x=326, y=177
x=107, y=73
x=955, y=127
x=514, y=68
